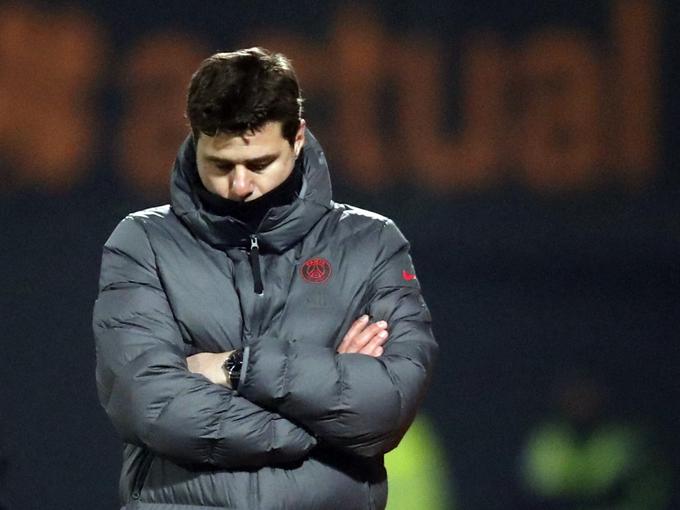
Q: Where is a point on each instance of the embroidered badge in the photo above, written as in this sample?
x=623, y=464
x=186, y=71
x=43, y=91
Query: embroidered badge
x=317, y=270
x=408, y=276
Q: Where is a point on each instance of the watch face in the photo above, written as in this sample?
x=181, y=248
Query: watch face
x=235, y=360
x=233, y=366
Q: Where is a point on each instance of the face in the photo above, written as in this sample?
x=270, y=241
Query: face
x=246, y=166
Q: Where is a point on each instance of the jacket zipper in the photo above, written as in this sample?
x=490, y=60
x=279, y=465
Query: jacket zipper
x=255, y=264
x=142, y=472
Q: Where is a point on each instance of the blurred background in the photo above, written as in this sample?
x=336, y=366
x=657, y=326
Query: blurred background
x=529, y=151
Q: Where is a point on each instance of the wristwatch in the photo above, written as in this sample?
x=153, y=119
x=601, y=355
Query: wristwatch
x=232, y=368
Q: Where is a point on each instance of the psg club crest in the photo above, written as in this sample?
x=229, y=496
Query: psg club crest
x=317, y=270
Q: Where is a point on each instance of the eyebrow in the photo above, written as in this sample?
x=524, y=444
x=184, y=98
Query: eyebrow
x=260, y=159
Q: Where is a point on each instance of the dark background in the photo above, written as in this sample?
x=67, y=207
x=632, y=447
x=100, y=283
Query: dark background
x=527, y=284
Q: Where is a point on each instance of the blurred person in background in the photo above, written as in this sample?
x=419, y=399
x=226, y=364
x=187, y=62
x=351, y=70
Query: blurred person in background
x=418, y=470
x=258, y=345
x=580, y=459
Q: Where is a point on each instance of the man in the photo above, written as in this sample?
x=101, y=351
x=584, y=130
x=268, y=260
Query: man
x=258, y=345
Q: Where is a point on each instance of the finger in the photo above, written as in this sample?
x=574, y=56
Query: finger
x=378, y=351
x=377, y=341
x=368, y=335
x=363, y=338
x=356, y=328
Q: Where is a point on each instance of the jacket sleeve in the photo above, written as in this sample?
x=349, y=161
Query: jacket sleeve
x=144, y=384
x=355, y=402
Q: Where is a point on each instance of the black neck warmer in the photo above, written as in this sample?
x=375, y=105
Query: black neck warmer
x=253, y=212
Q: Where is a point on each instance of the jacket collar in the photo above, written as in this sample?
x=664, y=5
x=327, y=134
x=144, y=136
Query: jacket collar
x=281, y=228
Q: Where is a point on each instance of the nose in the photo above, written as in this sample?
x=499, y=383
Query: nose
x=241, y=184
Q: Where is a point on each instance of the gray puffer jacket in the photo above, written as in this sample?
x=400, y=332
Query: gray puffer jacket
x=308, y=427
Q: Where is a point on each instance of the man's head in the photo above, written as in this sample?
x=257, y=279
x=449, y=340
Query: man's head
x=245, y=112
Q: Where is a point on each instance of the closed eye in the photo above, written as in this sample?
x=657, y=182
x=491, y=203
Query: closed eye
x=259, y=166
x=254, y=165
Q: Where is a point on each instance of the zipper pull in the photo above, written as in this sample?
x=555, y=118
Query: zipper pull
x=255, y=264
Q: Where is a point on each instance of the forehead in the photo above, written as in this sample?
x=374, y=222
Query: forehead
x=267, y=139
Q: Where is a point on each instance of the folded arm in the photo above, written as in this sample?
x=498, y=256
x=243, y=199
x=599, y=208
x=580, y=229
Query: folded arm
x=359, y=403
x=143, y=381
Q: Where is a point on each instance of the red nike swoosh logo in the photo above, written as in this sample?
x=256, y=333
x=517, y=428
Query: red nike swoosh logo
x=408, y=276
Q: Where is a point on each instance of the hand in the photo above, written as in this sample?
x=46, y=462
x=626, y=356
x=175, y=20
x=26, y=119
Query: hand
x=209, y=365
x=365, y=337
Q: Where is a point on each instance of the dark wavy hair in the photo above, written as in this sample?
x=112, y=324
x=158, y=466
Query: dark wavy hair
x=241, y=91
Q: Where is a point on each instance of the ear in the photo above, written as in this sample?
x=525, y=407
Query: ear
x=299, y=138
